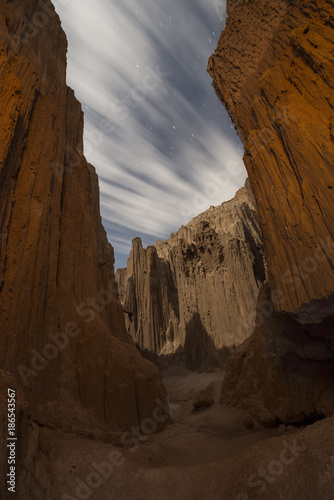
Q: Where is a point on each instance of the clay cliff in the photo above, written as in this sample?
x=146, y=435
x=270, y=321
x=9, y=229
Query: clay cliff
x=195, y=293
x=273, y=71
x=63, y=345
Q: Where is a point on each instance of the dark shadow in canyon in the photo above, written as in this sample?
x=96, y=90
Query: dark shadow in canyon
x=199, y=353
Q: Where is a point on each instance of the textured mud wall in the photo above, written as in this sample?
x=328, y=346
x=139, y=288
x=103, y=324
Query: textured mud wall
x=195, y=293
x=62, y=332
x=273, y=70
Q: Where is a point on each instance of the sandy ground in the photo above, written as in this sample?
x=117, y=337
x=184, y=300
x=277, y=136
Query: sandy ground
x=206, y=454
x=199, y=435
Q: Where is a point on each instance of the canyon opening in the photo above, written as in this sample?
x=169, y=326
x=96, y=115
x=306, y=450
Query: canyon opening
x=167, y=319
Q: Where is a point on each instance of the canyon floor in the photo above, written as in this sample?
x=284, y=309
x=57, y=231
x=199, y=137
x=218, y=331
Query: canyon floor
x=205, y=454
x=205, y=434
x=196, y=441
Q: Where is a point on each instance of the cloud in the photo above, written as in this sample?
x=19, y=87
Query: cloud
x=162, y=144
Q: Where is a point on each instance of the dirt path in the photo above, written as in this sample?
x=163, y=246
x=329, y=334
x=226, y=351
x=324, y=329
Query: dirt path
x=202, y=435
x=205, y=454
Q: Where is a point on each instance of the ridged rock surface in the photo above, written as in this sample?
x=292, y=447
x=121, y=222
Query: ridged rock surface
x=273, y=70
x=284, y=371
x=56, y=265
x=195, y=293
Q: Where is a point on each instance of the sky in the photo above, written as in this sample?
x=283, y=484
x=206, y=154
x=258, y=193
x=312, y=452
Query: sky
x=162, y=143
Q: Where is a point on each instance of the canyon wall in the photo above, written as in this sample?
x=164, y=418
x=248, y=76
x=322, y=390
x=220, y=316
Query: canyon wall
x=64, y=344
x=192, y=298
x=273, y=70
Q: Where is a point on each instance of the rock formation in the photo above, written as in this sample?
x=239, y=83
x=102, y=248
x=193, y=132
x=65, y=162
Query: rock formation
x=195, y=293
x=273, y=71
x=63, y=345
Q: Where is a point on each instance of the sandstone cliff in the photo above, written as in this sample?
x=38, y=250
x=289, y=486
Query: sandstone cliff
x=63, y=342
x=57, y=280
x=273, y=70
x=195, y=293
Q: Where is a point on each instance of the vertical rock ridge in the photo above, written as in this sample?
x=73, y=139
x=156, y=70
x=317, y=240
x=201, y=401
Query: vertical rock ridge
x=62, y=329
x=198, y=287
x=273, y=71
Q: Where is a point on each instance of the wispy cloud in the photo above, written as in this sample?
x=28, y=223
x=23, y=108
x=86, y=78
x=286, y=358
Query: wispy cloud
x=154, y=128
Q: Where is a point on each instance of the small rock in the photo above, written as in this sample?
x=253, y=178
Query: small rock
x=205, y=397
x=248, y=421
x=281, y=429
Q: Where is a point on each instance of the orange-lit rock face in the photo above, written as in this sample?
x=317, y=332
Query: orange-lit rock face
x=273, y=70
x=58, y=314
